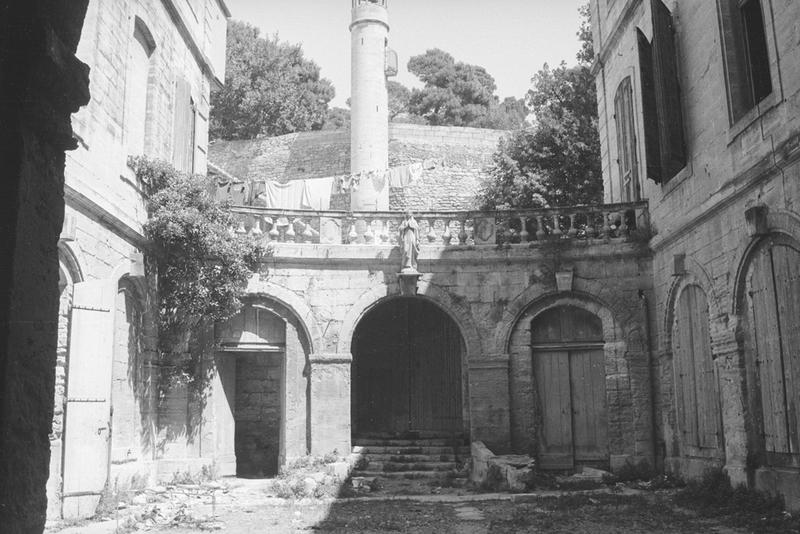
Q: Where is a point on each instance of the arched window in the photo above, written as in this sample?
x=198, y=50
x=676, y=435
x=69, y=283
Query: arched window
x=570, y=376
x=627, y=160
x=771, y=321
x=696, y=384
x=136, y=87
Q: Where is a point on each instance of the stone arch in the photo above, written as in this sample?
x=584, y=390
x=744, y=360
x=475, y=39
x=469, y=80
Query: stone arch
x=455, y=309
x=778, y=222
x=267, y=291
x=538, y=298
x=697, y=276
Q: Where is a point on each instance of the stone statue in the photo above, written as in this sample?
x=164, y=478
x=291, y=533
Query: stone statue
x=409, y=244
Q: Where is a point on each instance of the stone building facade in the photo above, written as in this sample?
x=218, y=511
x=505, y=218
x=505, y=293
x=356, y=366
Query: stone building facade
x=698, y=106
x=152, y=64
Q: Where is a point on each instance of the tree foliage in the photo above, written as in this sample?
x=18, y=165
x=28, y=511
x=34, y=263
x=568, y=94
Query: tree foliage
x=457, y=94
x=270, y=88
x=555, y=161
x=201, y=271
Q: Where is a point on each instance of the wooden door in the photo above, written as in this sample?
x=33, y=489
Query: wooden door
x=555, y=398
x=569, y=371
x=224, y=399
x=589, y=421
x=407, y=370
x=772, y=316
x=87, y=418
x=696, y=383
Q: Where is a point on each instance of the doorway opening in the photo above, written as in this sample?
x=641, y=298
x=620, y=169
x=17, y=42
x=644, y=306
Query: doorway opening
x=569, y=372
x=408, y=377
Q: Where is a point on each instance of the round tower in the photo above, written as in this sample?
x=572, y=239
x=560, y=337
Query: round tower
x=369, y=101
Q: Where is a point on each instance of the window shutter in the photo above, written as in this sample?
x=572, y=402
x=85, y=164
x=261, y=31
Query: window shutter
x=651, y=146
x=667, y=91
x=181, y=129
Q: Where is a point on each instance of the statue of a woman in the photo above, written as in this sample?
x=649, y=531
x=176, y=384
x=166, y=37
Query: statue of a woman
x=409, y=243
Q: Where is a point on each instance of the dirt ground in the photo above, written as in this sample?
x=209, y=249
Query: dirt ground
x=591, y=513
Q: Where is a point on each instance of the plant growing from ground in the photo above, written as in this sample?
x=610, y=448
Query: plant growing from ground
x=201, y=270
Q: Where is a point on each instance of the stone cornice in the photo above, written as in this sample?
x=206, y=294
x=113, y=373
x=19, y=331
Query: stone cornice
x=95, y=210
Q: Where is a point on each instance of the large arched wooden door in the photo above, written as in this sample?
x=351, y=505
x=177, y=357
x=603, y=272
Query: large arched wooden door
x=771, y=321
x=407, y=370
x=569, y=372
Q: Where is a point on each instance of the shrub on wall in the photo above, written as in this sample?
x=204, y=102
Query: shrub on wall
x=201, y=269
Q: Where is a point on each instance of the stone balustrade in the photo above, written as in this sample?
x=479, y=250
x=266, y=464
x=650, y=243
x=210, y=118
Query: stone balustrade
x=447, y=228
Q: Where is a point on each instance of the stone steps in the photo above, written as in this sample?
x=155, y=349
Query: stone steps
x=426, y=461
x=417, y=450
x=428, y=475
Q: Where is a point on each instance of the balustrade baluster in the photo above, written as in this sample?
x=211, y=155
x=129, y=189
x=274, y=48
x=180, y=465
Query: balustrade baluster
x=540, y=233
x=573, y=230
x=290, y=233
x=369, y=235
x=591, y=231
x=431, y=231
x=623, y=225
x=524, y=235
x=256, y=230
x=462, y=234
x=557, y=226
x=384, y=232
x=352, y=236
x=606, y=226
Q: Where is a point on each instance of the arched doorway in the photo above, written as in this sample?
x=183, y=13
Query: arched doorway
x=407, y=371
x=770, y=308
x=569, y=373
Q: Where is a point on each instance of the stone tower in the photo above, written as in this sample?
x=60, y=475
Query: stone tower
x=369, y=134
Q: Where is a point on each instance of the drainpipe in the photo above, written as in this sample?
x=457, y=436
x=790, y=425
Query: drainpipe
x=651, y=375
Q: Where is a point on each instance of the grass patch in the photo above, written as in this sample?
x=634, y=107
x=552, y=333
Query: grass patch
x=714, y=496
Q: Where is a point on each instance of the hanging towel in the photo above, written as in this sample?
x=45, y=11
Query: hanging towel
x=378, y=179
x=238, y=194
x=282, y=196
x=398, y=176
x=317, y=194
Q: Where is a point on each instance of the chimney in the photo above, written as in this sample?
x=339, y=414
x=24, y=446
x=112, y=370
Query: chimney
x=369, y=101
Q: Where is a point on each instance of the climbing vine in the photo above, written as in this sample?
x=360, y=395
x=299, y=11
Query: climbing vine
x=201, y=269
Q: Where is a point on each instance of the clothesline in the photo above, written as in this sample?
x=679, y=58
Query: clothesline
x=315, y=193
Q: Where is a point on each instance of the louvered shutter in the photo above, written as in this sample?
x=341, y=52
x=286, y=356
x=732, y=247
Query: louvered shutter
x=182, y=134
x=667, y=92
x=651, y=146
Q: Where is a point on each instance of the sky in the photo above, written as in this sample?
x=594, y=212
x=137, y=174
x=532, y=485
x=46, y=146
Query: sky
x=512, y=39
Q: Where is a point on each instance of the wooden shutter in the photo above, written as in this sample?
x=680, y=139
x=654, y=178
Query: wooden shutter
x=706, y=383
x=667, y=90
x=767, y=352
x=685, y=388
x=649, y=112
x=183, y=136
x=87, y=419
x=786, y=274
x=626, y=142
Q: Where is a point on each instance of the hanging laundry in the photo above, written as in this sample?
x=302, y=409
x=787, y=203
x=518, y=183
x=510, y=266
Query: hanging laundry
x=379, y=180
x=317, y=193
x=258, y=193
x=276, y=195
x=238, y=194
x=430, y=164
x=223, y=191
x=414, y=172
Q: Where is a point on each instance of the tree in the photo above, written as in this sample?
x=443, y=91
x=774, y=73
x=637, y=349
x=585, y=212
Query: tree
x=399, y=98
x=337, y=119
x=456, y=93
x=555, y=161
x=270, y=88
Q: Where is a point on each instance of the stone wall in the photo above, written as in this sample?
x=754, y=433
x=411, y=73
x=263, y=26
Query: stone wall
x=488, y=293
x=43, y=83
x=462, y=156
x=700, y=212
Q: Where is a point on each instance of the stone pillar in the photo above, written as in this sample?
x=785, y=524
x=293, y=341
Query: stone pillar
x=725, y=349
x=369, y=127
x=489, y=402
x=330, y=403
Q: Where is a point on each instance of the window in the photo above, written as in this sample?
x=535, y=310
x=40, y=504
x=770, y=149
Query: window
x=137, y=87
x=744, y=47
x=184, y=127
x=627, y=160
x=771, y=324
x=661, y=98
x=696, y=389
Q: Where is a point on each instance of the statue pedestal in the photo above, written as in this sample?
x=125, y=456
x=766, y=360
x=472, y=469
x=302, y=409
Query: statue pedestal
x=408, y=279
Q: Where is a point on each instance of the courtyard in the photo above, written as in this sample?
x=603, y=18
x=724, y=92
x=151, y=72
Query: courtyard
x=250, y=506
